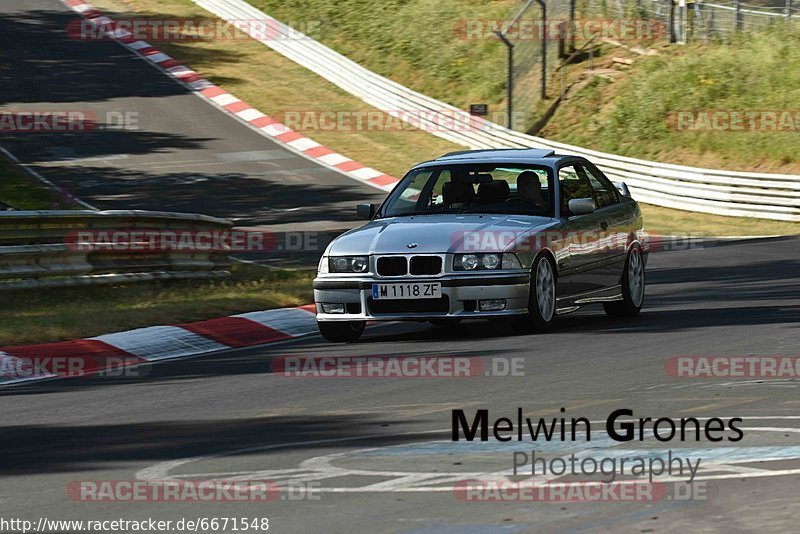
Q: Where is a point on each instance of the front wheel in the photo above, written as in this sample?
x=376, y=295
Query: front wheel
x=632, y=288
x=542, y=300
x=341, y=331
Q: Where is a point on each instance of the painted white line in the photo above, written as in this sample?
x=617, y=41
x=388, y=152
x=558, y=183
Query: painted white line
x=322, y=467
x=42, y=179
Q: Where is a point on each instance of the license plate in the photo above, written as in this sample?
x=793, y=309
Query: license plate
x=417, y=290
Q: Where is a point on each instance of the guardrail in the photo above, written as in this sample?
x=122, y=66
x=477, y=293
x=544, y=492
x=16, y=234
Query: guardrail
x=37, y=249
x=721, y=192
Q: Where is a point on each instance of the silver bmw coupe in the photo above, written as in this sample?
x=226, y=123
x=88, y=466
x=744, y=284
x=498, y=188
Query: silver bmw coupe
x=522, y=235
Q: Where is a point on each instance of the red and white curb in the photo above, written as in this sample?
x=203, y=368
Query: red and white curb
x=155, y=343
x=257, y=120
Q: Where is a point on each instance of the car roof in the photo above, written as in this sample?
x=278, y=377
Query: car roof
x=546, y=157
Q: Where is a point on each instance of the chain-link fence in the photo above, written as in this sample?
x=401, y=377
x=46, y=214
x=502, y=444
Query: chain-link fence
x=540, y=34
x=720, y=19
x=536, y=39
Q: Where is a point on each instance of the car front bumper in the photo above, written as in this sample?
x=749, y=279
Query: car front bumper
x=461, y=296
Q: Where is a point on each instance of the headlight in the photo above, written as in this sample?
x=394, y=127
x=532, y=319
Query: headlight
x=322, y=268
x=349, y=264
x=490, y=262
x=469, y=262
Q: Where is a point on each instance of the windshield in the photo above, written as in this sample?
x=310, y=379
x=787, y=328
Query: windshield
x=473, y=188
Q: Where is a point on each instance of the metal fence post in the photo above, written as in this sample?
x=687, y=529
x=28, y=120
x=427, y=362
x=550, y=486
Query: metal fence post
x=544, y=48
x=788, y=9
x=671, y=13
x=737, y=6
x=711, y=26
x=510, y=81
x=571, y=28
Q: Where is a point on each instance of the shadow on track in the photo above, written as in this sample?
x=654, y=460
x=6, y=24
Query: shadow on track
x=242, y=362
x=42, y=63
x=35, y=449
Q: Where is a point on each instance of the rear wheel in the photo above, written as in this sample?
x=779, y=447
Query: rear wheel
x=632, y=288
x=542, y=300
x=341, y=331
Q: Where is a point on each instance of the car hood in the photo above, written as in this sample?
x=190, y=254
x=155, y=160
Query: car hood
x=435, y=234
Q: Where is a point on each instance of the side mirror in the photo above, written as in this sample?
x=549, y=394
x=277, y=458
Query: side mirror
x=622, y=187
x=366, y=211
x=581, y=206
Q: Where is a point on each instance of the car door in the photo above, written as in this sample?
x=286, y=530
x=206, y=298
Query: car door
x=615, y=220
x=584, y=255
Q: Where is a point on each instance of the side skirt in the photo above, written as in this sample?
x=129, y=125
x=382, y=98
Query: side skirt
x=573, y=303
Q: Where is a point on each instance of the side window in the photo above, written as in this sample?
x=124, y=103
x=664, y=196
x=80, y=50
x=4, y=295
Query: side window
x=437, y=190
x=604, y=190
x=572, y=184
x=407, y=202
x=411, y=198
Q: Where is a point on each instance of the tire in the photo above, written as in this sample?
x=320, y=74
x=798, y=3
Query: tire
x=542, y=300
x=445, y=323
x=633, y=284
x=341, y=331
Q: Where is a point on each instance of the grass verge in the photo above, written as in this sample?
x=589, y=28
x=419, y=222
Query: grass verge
x=72, y=313
x=667, y=221
x=636, y=114
x=21, y=191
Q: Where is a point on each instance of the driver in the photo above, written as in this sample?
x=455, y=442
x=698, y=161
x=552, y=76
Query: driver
x=529, y=188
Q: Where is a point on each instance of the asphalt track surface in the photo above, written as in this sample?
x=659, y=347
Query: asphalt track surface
x=182, y=155
x=227, y=415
